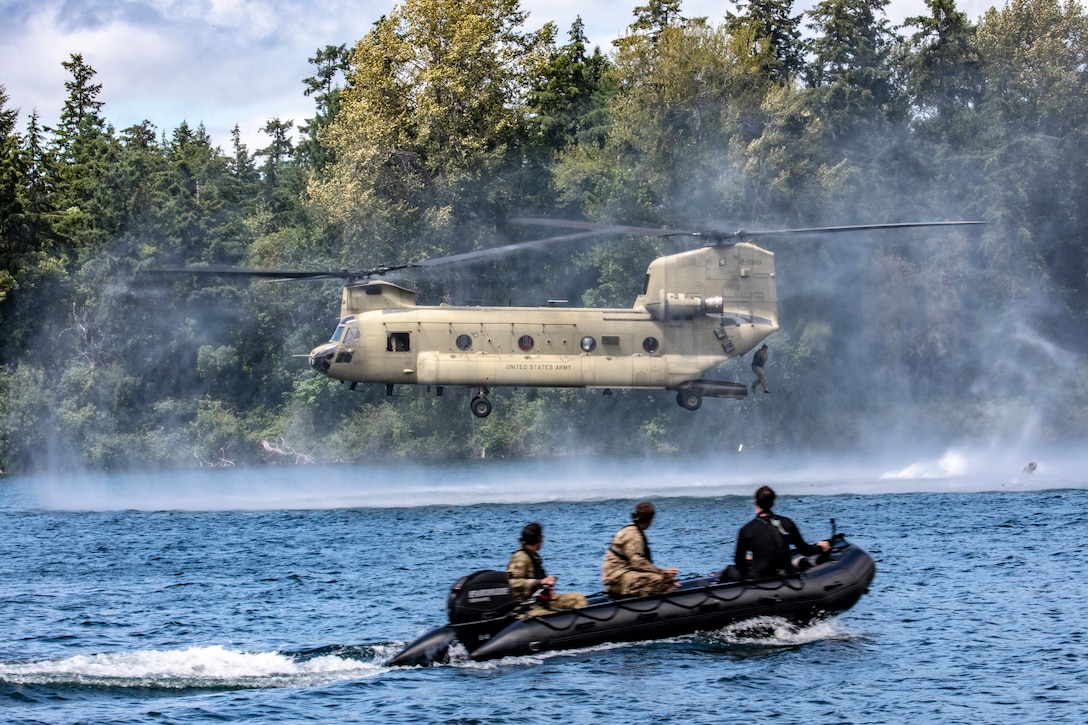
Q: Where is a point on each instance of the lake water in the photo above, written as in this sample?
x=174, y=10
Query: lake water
x=276, y=595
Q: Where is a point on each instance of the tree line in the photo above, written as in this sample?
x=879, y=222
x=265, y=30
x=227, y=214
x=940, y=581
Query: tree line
x=428, y=136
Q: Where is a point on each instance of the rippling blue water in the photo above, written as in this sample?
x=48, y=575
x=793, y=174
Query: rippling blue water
x=276, y=595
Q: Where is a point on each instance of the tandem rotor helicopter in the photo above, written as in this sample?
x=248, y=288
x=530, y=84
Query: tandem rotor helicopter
x=699, y=308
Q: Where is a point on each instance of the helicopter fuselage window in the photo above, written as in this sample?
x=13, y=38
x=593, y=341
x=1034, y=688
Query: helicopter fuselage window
x=650, y=345
x=588, y=344
x=397, y=342
x=464, y=343
x=526, y=342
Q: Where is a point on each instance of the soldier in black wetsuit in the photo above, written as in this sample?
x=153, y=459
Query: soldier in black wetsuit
x=758, y=361
x=763, y=544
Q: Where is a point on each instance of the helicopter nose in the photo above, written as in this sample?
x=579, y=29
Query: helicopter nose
x=321, y=358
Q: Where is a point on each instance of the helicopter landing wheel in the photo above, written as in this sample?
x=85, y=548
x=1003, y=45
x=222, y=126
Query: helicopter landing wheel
x=480, y=406
x=689, y=399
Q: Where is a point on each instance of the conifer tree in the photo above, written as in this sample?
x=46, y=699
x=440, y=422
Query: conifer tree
x=771, y=22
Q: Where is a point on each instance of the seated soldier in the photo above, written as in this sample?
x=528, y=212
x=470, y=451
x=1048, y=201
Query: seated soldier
x=628, y=570
x=763, y=544
x=527, y=576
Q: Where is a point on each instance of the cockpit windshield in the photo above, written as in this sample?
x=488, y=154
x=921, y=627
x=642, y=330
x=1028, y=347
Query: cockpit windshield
x=346, y=331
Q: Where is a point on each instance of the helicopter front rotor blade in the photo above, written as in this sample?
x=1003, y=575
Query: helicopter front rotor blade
x=596, y=228
x=284, y=275
x=226, y=270
x=277, y=275
x=496, y=251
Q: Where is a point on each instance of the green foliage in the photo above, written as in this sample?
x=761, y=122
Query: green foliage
x=218, y=436
x=428, y=127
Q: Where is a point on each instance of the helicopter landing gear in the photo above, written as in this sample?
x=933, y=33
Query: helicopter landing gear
x=480, y=405
x=689, y=399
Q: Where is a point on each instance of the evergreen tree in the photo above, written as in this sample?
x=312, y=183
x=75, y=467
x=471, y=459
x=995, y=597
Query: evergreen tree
x=566, y=106
x=859, y=127
x=771, y=22
x=942, y=73
x=567, y=93
x=13, y=176
x=330, y=63
x=653, y=18
x=943, y=69
x=280, y=178
x=83, y=149
x=849, y=72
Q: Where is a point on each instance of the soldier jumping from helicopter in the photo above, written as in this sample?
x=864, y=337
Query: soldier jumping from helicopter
x=758, y=361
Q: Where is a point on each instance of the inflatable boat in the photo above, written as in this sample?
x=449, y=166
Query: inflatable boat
x=490, y=623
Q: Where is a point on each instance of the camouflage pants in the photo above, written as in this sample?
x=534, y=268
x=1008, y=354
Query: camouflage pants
x=640, y=583
x=570, y=600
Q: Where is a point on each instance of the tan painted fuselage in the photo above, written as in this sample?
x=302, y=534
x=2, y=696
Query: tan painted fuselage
x=699, y=309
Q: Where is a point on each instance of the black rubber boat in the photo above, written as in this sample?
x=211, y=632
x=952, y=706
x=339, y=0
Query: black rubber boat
x=484, y=613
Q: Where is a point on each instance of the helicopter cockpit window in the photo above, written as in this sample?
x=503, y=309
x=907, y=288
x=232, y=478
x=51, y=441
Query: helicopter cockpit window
x=525, y=342
x=397, y=342
x=346, y=323
x=650, y=345
x=351, y=335
x=464, y=343
x=588, y=344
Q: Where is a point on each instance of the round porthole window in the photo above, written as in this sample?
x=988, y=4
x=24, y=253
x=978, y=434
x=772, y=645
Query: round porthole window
x=464, y=342
x=588, y=344
x=525, y=342
x=650, y=345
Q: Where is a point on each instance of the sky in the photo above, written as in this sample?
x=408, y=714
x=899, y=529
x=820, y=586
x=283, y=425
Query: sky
x=240, y=62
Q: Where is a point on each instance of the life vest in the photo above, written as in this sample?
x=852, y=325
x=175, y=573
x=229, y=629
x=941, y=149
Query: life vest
x=538, y=563
x=645, y=546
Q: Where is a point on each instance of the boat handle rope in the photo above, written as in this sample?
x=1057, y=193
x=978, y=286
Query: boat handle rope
x=708, y=594
x=657, y=604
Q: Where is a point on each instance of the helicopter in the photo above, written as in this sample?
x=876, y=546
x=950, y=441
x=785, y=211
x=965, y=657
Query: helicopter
x=698, y=309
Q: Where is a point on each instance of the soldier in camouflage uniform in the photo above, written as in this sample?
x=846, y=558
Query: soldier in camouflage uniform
x=628, y=569
x=527, y=576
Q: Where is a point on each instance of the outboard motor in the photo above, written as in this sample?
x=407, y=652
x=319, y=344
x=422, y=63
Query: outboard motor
x=480, y=606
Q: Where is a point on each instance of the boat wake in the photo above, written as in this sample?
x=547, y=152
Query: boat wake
x=219, y=668
x=758, y=633
x=777, y=632
x=214, y=667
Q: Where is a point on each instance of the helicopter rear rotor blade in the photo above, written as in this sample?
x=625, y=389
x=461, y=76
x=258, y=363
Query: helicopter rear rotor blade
x=722, y=236
x=857, y=228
